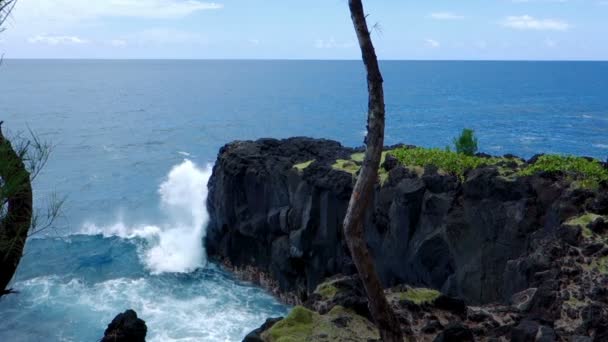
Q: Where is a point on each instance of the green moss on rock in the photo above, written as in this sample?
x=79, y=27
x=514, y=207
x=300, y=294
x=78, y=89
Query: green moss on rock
x=353, y=165
x=297, y=326
x=583, y=221
x=339, y=324
x=349, y=166
x=300, y=167
x=601, y=264
x=326, y=290
x=358, y=156
x=417, y=296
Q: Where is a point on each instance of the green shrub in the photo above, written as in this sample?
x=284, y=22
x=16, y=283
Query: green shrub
x=450, y=162
x=466, y=143
x=588, y=173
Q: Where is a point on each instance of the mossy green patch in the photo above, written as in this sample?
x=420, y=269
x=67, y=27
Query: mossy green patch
x=417, y=295
x=353, y=165
x=575, y=302
x=600, y=264
x=303, y=325
x=297, y=326
x=349, y=166
x=383, y=176
x=326, y=290
x=587, y=173
x=447, y=161
x=358, y=156
x=300, y=167
x=583, y=221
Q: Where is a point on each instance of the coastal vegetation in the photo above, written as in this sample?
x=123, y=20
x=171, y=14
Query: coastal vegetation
x=20, y=163
x=466, y=143
x=588, y=173
x=583, y=172
x=446, y=161
x=15, y=209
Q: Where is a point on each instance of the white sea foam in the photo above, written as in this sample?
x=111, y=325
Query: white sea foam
x=177, y=245
x=604, y=146
x=214, y=309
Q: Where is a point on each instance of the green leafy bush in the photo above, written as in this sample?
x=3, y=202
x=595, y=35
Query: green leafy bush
x=589, y=173
x=466, y=143
x=451, y=162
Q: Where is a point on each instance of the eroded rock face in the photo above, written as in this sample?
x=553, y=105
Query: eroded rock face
x=126, y=327
x=536, y=242
x=429, y=316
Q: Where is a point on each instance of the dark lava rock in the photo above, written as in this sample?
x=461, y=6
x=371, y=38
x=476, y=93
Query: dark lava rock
x=455, y=333
x=600, y=204
x=126, y=327
x=390, y=163
x=422, y=231
x=498, y=243
x=599, y=226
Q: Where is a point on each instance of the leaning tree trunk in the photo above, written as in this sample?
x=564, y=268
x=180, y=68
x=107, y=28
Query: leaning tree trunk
x=16, y=197
x=388, y=325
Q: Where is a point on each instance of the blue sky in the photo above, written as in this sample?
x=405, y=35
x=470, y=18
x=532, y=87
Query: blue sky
x=309, y=29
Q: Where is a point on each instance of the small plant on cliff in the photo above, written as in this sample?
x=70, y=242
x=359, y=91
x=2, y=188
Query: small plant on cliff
x=466, y=143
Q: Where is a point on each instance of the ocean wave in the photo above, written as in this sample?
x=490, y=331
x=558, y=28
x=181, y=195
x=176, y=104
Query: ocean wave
x=210, y=307
x=603, y=146
x=175, y=246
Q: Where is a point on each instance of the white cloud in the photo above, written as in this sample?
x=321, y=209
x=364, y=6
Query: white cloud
x=526, y=22
x=57, y=40
x=445, y=16
x=78, y=10
x=332, y=44
x=432, y=43
x=254, y=41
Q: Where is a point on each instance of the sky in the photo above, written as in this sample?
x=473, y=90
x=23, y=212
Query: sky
x=307, y=29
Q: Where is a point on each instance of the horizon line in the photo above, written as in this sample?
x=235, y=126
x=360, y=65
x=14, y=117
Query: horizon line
x=295, y=59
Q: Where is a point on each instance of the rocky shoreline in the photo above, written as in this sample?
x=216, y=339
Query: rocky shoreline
x=522, y=257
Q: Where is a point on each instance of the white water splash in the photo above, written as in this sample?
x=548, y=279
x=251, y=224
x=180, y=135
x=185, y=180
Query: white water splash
x=176, y=246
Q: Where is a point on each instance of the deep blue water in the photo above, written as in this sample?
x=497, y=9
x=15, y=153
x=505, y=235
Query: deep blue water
x=122, y=129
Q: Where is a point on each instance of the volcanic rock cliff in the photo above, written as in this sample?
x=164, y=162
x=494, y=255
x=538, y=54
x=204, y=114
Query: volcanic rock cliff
x=487, y=236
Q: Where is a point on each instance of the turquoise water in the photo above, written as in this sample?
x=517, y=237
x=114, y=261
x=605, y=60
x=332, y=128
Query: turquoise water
x=133, y=140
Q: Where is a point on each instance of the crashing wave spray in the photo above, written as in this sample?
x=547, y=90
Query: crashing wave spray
x=178, y=245
x=183, y=196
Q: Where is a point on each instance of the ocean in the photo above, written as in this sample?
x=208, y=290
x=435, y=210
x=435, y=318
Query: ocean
x=133, y=143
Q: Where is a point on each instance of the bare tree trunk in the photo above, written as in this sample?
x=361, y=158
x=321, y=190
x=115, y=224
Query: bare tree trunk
x=390, y=329
x=16, y=202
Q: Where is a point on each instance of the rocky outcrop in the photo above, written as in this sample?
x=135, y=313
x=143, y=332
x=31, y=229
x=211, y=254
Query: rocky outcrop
x=126, y=327
x=536, y=242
